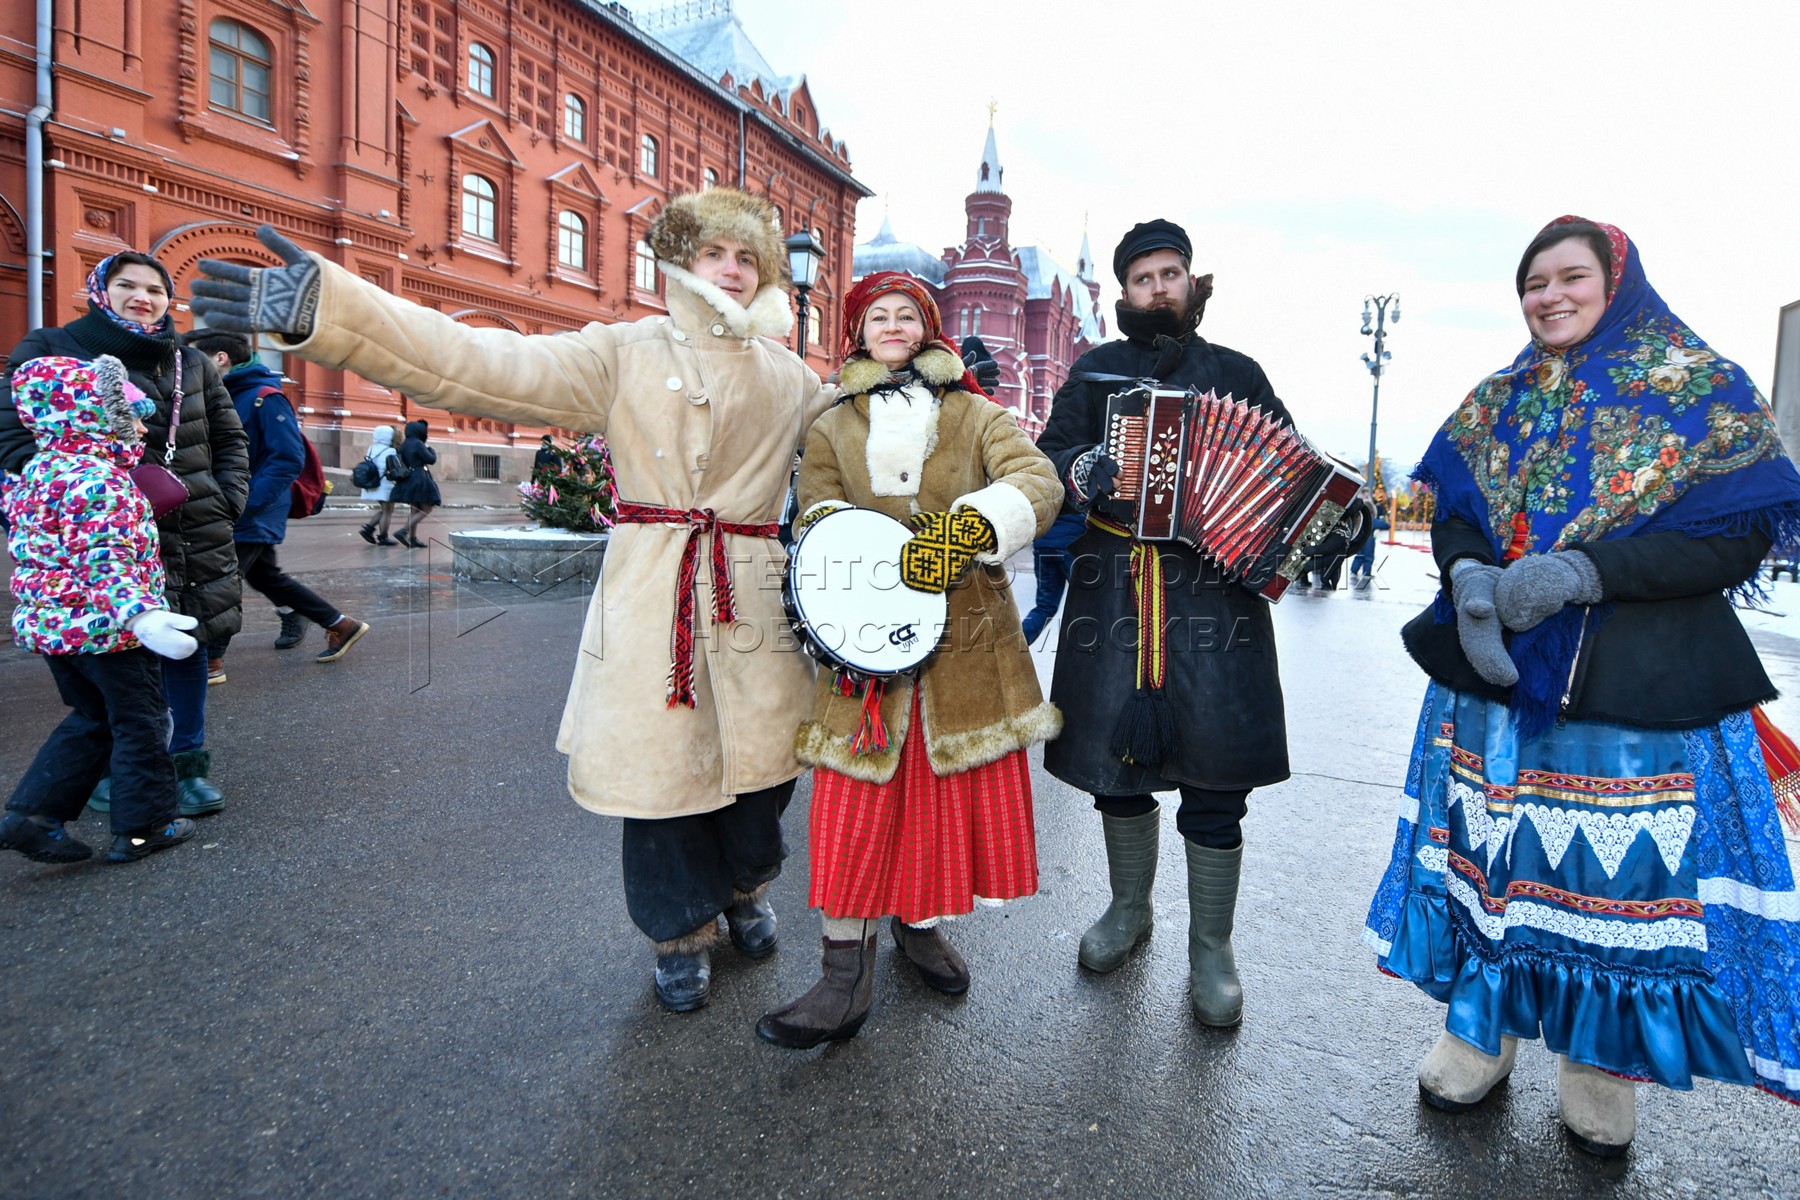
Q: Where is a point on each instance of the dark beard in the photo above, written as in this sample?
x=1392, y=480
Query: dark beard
x=1148, y=324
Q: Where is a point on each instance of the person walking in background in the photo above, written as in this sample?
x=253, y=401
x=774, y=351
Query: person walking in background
x=128, y=317
x=416, y=486
x=381, y=449
x=89, y=584
x=276, y=455
x=1050, y=559
x=546, y=458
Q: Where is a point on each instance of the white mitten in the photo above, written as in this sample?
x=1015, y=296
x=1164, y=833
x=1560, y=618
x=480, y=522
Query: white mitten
x=161, y=632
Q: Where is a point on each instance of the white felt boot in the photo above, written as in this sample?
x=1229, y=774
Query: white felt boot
x=1456, y=1076
x=1599, y=1109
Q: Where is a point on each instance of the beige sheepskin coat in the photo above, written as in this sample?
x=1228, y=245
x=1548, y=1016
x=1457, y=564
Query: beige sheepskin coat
x=700, y=412
x=903, y=453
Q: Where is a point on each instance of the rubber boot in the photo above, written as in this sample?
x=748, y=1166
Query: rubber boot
x=1131, y=849
x=195, y=796
x=1456, y=1076
x=1599, y=1109
x=836, y=1006
x=751, y=921
x=1213, y=988
x=684, y=968
x=101, y=799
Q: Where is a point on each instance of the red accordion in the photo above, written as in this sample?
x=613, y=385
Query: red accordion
x=1224, y=477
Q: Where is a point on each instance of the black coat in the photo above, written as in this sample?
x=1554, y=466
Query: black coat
x=419, y=487
x=211, y=456
x=1222, y=680
x=1669, y=654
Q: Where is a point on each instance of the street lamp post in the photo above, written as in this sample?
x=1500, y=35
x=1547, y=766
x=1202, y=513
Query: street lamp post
x=804, y=255
x=1385, y=307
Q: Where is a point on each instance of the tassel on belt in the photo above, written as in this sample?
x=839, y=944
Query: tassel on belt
x=1146, y=733
x=681, y=636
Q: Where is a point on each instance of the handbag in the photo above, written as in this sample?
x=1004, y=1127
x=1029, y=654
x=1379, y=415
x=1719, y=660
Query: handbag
x=162, y=487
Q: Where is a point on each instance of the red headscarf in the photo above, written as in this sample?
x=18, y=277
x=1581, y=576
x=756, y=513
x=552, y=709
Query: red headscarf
x=882, y=283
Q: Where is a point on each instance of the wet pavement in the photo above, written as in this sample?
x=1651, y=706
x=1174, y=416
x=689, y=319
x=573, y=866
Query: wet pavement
x=398, y=964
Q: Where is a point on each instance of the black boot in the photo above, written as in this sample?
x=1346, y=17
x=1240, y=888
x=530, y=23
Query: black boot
x=751, y=921
x=40, y=839
x=684, y=969
x=836, y=1006
x=293, y=629
x=196, y=796
x=940, y=965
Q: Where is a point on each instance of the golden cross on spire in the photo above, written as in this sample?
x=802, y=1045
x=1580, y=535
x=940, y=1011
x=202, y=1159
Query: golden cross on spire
x=992, y=105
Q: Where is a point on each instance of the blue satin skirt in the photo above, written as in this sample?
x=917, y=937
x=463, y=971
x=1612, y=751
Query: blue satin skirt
x=1623, y=893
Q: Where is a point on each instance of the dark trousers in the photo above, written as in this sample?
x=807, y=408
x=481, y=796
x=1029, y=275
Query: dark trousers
x=184, y=686
x=257, y=564
x=1206, y=818
x=117, y=722
x=680, y=872
x=1052, y=567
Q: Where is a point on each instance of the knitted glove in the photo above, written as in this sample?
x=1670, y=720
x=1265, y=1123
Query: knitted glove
x=161, y=632
x=1537, y=586
x=243, y=299
x=805, y=520
x=1472, y=586
x=936, y=556
x=1092, y=478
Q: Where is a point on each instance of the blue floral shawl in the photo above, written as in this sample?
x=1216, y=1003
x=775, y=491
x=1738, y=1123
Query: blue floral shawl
x=1641, y=427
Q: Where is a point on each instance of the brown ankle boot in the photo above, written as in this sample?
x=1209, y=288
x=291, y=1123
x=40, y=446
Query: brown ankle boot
x=939, y=963
x=835, y=1007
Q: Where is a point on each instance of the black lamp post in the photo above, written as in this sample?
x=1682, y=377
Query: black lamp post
x=1378, y=360
x=804, y=255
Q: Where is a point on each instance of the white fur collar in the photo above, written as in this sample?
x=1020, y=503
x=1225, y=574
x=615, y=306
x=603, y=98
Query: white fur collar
x=767, y=316
x=902, y=434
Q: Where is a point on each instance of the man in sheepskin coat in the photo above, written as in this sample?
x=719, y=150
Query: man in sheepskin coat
x=686, y=694
x=1213, y=726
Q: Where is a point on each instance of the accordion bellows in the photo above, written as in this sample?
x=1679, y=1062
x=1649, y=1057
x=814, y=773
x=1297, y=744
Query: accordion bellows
x=1226, y=478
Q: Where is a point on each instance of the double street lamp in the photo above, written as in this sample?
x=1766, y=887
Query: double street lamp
x=804, y=255
x=1375, y=324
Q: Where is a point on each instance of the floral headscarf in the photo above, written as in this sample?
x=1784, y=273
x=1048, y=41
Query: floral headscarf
x=1640, y=427
x=872, y=287
x=96, y=293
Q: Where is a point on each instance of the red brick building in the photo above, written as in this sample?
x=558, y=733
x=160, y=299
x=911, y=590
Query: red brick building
x=497, y=161
x=1035, y=316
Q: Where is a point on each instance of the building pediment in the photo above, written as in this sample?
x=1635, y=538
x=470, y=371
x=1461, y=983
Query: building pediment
x=577, y=178
x=484, y=138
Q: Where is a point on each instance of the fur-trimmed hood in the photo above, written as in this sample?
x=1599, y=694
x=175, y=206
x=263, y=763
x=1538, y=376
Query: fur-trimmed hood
x=691, y=220
x=937, y=367
x=768, y=314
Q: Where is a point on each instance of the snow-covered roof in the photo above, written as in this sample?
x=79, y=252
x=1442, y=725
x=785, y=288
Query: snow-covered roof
x=1040, y=270
x=715, y=43
x=885, y=252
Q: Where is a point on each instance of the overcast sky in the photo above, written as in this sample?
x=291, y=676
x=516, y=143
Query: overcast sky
x=1318, y=152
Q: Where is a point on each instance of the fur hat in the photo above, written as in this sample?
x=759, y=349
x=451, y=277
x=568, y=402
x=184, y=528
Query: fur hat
x=692, y=219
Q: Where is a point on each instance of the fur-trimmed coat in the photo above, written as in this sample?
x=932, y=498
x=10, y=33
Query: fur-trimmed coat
x=701, y=413
x=906, y=453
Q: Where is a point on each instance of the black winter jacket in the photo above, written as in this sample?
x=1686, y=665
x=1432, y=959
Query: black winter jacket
x=1223, y=680
x=211, y=456
x=1669, y=654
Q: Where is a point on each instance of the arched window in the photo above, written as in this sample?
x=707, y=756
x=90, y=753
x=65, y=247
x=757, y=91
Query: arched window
x=571, y=240
x=481, y=69
x=709, y=179
x=239, y=59
x=478, y=218
x=976, y=331
x=645, y=275
x=816, y=329
x=647, y=156
x=574, y=119
x=775, y=211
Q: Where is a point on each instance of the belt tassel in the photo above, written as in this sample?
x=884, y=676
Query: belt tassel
x=1146, y=733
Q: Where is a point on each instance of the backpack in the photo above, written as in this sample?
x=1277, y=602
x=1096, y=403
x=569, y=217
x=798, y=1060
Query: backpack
x=366, y=474
x=306, y=498
x=395, y=469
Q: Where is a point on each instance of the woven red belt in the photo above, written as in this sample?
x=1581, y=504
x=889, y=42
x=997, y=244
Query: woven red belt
x=681, y=635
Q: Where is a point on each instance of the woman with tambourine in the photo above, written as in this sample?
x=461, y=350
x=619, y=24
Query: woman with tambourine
x=921, y=802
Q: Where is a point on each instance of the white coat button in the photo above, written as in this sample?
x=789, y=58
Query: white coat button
x=674, y=383
x=718, y=331
x=680, y=336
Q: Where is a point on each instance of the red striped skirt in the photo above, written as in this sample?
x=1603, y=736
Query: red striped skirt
x=919, y=846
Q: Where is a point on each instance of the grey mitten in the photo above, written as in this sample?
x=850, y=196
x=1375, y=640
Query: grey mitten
x=1536, y=587
x=242, y=299
x=1472, y=587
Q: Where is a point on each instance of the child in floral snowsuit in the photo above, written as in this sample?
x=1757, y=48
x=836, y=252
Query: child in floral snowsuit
x=89, y=586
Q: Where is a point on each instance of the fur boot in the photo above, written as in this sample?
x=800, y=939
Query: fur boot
x=836, y=1006
x=1599, y=1109
x=940, y=965
x=1131, y=849
x=751, y=921
x=684, y=968
x=1456, y=1076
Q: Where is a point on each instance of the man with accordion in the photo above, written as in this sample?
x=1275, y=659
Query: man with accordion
x=1194, y=705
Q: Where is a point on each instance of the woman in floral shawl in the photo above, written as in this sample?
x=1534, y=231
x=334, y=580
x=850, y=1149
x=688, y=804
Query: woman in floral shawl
x=1589, y=851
